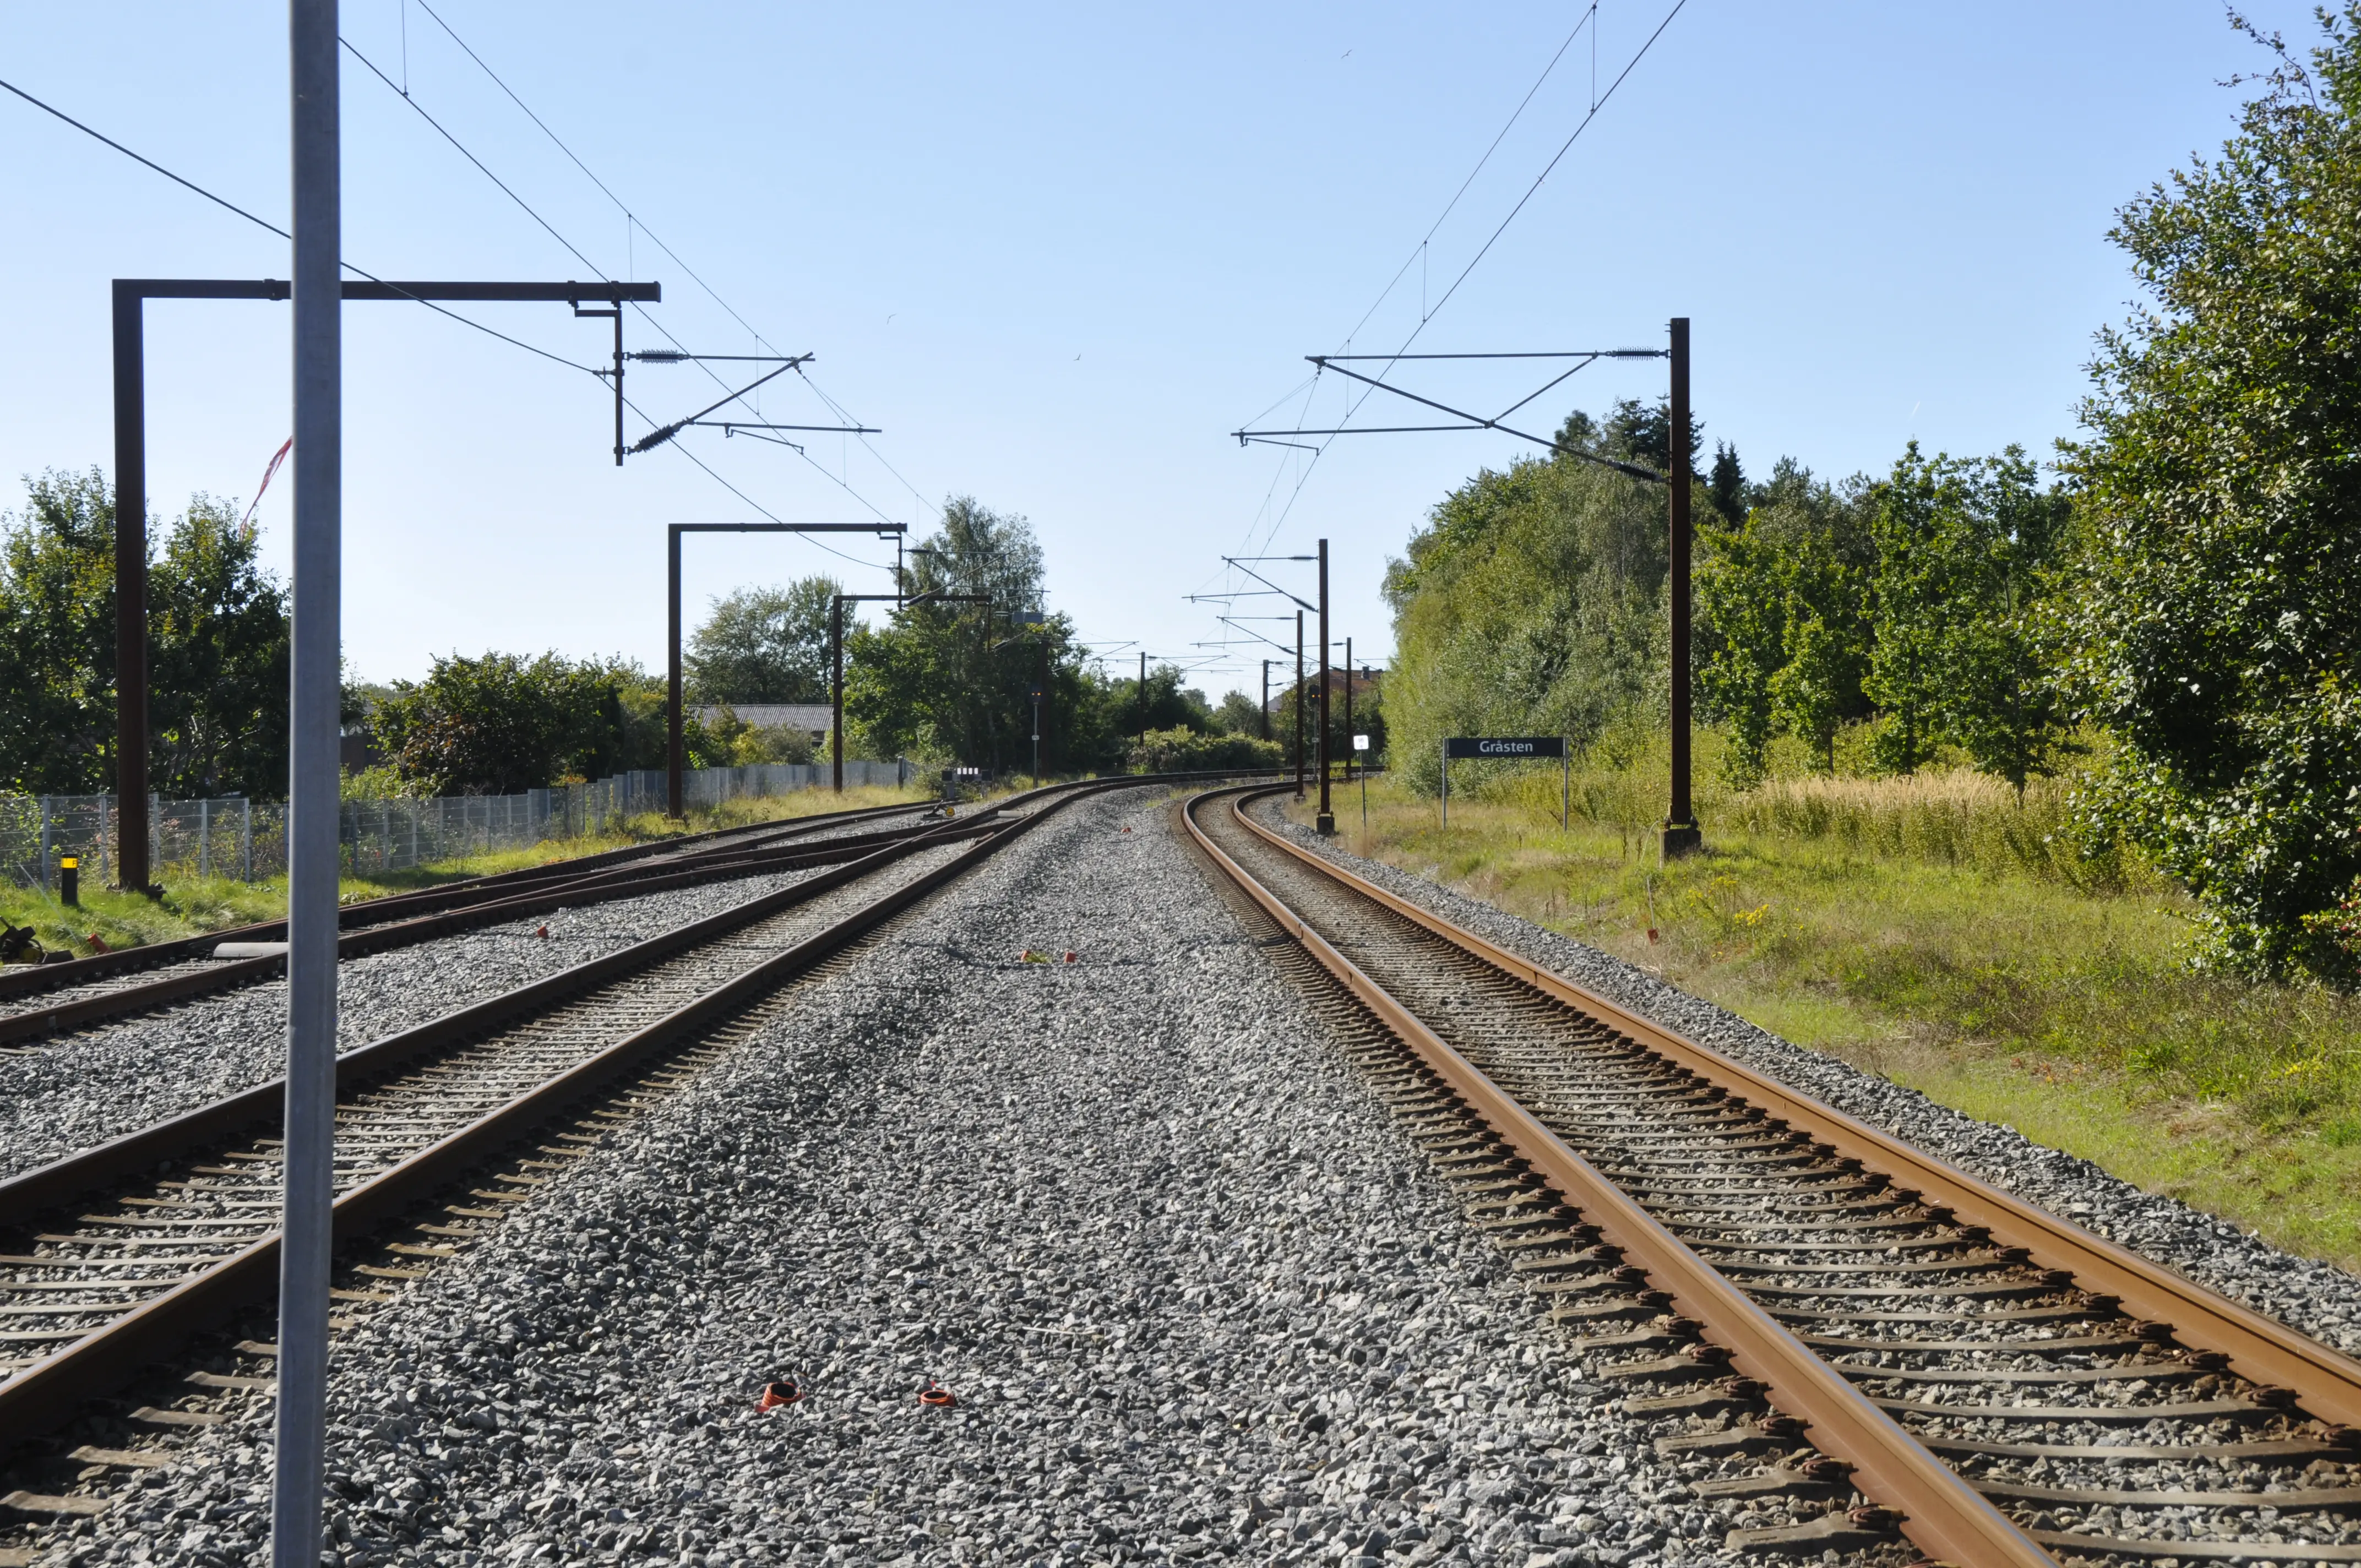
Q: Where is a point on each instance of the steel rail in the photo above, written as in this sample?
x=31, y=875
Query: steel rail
x=2261, y=1350
x=53, y=1389
x=505, y=903
x=48, y=1186
x=1941, y=1513
x=21, y=979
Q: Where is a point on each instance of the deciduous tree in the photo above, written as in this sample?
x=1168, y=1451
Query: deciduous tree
x=2221, y=626
x=763, y=645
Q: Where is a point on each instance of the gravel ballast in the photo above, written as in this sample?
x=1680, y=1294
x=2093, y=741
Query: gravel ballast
x=1195, y=1296
x=80, y=1089
x=2317, y=1298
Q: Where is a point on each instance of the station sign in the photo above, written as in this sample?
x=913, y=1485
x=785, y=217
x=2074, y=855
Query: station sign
x=1517, y=747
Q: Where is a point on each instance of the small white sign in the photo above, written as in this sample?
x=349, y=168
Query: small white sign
x=1360, y=742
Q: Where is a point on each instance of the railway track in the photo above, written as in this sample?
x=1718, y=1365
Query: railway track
x=113, y=1258
x=1845, y=1343
x=42, y=1001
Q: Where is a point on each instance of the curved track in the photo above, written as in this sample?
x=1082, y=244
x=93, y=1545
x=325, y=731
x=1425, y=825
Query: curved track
x=1841, y=1336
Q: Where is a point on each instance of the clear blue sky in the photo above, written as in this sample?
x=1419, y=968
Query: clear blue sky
x=1058, y=253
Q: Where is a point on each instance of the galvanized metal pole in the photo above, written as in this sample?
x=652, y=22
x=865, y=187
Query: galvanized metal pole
x=674, y=807
x=1326, y=823
x=1265, y=699
x=1681, y=835
x=1143, y=703
x=836, y=690
x=130, y=572
x=312, y=789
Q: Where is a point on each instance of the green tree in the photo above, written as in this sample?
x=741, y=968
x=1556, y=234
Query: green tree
x=2221, y=633
x=57, y=638
x=1726, y=489
x=1812, y=690
x=1239, y=714
x=1964, y=551
x=1532, y=603
x=217, y=636
x=951, y=681
x=1784, y=596
x=1183, y=749
x=218, y=661
x=763, y=645
x=1168, y=705
x=502, y=723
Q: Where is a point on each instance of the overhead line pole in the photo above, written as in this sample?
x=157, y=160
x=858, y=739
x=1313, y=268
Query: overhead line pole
x=1298, y=705
x=1682, y=836
x=1326, y=823
x=1680, y=833
x=308, y=1153
x=1349, y=754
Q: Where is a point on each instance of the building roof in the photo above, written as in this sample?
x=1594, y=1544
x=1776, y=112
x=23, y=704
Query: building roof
x=811, y=716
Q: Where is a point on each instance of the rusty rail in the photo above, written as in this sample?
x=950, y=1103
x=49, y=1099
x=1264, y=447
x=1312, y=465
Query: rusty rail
x=2327, y=1383
x=52, y=1390
x=1942, y=1515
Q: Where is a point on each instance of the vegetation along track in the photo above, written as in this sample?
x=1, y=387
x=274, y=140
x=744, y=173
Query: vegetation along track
x=112, y=1258
x=43, y=1000
x=1840, y=1336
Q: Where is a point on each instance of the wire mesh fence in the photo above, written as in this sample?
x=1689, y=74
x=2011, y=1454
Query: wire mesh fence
x=236, y=838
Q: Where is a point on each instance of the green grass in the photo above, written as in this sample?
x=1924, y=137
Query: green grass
x=192, y=905
x=1936, y=931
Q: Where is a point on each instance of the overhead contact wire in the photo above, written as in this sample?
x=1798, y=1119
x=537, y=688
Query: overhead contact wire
x=1598, y=102
x=269, y=227
x=713, y=293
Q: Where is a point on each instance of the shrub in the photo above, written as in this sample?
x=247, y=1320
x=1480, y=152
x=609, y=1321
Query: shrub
x=1181, y=750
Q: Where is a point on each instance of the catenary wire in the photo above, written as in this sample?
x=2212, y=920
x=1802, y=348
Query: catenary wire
x=419, y=109
x=633, y=218
x=576, y=253
x=270, y=228
x=1598, y=102
x=432, y=305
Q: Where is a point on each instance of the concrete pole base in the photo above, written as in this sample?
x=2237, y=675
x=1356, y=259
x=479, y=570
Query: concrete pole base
x=1682, y=838
x=1326, y=825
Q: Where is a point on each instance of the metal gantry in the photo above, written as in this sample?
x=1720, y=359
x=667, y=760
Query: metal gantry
x=130, y=297
x=675, y=762
x=1681, y=835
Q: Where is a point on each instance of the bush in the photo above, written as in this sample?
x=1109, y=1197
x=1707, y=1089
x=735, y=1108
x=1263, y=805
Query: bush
x=1181, y=750
x=503, y=723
